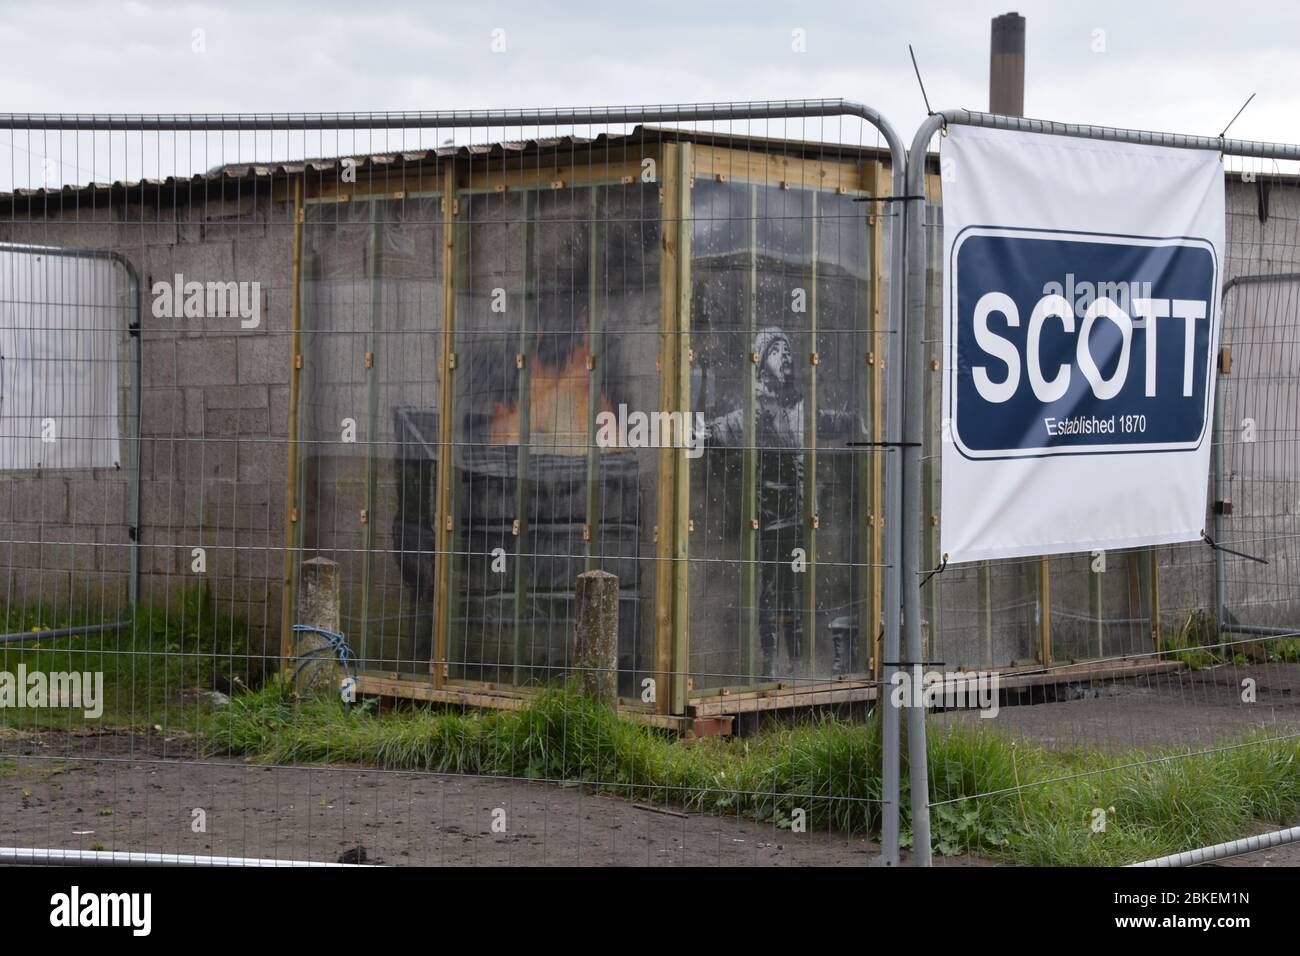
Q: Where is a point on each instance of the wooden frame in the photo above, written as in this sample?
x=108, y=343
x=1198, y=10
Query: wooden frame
x=749, y=459
x=674, y=201
x=811, y=519
x=815, y=176
x=502, y=172
x=681, y=465
x=596, y=380
x=523, y=455
x=291, y=526
x=678, y=161
x=372, y=411
x=1044, y=611
x=443, y=512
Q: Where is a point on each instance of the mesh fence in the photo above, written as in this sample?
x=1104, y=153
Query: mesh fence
x=420, y=489
x=400, y=382
x=1147, y=700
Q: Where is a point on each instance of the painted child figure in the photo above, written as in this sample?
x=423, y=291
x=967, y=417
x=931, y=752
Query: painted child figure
x=779, y=421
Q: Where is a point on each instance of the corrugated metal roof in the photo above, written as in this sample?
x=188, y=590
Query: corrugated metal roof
x=231, y=173
x=238, y=173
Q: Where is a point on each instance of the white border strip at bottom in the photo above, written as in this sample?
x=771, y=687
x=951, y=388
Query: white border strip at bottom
x=34, y=856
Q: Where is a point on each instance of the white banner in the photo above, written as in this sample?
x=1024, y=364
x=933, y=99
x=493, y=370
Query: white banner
x=59, y=326
x=1081, y=319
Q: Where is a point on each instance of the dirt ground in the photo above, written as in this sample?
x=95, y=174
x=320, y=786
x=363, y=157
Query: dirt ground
x=123, y=791
x=1185, y=709
x=1188, y=710
x=58, y=791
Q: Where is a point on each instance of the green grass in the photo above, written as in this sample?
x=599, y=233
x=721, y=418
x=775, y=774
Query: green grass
x=1197, y=644
x=1086, y=808
x=146, y=665
x=564, y=737
x=1012, y=802
x=1194, y=643
x=1157, y=804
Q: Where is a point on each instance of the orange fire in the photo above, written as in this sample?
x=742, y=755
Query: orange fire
x=558, y=406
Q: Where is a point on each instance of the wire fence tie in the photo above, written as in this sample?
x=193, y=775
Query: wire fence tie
x=1241, y=554
x=938, y=569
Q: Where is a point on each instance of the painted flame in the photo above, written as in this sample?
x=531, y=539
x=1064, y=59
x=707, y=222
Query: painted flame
x=558, y=406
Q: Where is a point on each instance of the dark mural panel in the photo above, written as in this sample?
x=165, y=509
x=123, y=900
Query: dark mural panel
x=557, y=341
x=558, y=315
x=780, y=329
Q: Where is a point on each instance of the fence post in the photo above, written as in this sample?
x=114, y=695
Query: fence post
x=316, y=669
x=893, y=580
x=910, y=525
x=595, y=636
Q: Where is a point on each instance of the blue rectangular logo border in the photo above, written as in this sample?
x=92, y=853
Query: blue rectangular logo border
x=1118, y=238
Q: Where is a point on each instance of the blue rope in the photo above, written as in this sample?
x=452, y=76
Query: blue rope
x=335, y=643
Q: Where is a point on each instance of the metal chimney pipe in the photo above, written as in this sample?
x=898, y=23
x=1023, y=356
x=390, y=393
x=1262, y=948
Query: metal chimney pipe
x=1007, y=65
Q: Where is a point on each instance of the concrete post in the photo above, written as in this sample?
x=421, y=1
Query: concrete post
x=595, y=636
x=318, y=606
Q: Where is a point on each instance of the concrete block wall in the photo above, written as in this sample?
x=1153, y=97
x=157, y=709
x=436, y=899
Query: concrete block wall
x=215, y=426
x=214, y=418
x=1261, y=405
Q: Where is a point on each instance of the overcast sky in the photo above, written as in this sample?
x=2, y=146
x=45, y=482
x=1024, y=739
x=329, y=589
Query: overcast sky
x=1167, y=66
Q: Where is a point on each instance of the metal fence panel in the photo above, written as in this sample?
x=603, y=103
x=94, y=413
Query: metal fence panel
x=399, y=379
x=1169, y=670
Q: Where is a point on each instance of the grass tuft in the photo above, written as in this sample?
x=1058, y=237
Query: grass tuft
x=1007, y=800
x=147, y=665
